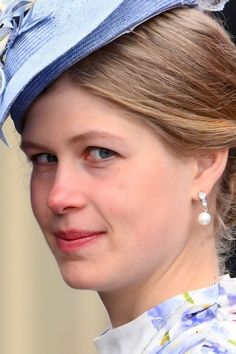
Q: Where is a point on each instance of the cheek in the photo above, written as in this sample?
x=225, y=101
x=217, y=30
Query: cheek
x=138, y=192
x=147, y=206
x=137, y=197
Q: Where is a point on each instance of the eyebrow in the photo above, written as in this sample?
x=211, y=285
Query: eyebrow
x=92, y=134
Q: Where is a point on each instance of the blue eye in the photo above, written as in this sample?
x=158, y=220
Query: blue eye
x=97, y=153
x=43, y=158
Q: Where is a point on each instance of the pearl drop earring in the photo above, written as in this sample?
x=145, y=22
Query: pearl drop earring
x=204, y=218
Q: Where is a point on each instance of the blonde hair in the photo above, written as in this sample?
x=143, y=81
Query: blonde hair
x=176, y=73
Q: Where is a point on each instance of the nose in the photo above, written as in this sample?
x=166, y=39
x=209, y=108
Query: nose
x=67, y=192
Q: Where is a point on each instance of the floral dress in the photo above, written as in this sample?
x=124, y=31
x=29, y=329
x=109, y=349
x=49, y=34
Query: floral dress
x=199, y=321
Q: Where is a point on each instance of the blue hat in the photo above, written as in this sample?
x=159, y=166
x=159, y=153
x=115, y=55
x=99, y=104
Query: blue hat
x=46, y=37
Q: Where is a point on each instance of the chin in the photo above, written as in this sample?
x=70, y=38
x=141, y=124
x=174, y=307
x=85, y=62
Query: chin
x=76, y=284
x=78, y=276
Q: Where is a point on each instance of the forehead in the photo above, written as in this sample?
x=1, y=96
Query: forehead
x=66, y=109
x=67, y=100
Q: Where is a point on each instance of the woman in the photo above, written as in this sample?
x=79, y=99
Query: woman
x=127, y=112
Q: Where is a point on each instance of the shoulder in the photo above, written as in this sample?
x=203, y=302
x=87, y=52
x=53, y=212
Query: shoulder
x=204, y=322
x=211, y=337
x=220, y=332
x=202, y=333
x=214, y=346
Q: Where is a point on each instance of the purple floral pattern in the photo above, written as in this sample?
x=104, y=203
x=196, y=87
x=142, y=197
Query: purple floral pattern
x=201, y=321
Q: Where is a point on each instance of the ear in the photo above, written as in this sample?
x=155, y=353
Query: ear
x=210, y=166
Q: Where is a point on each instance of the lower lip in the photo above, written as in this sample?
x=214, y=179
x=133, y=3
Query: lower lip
x=75, y=245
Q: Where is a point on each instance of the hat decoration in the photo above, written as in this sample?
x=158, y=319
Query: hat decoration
x=212, y=5
x=14, y=21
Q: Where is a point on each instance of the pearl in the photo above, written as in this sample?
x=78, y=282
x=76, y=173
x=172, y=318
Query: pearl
x=204, y=218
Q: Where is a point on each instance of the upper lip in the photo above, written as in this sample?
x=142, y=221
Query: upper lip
x=75, y=234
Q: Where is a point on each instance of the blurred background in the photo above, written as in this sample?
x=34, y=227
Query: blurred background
x=39, y=313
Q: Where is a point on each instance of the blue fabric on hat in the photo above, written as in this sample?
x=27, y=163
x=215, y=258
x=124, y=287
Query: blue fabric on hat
x=65, y=31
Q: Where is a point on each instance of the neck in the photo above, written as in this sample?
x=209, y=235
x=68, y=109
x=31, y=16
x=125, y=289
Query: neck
x=189, y=272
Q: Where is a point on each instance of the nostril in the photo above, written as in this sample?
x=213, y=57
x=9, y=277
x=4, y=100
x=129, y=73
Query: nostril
x=56, y=209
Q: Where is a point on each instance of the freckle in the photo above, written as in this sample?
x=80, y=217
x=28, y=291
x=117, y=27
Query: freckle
x=121, y=186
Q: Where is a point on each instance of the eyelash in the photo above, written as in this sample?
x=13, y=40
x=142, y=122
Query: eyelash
x=97, y=148
x=34, y=158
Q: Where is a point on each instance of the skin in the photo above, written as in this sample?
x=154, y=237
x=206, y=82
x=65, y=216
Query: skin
x=141, y=196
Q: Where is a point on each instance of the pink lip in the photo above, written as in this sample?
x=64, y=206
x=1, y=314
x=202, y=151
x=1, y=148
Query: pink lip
x=73, y=240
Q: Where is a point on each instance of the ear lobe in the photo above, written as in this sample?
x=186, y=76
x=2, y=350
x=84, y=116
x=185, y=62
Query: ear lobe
x=210, y=167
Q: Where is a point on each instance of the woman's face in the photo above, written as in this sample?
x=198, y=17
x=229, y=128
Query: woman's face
x=113, y=203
